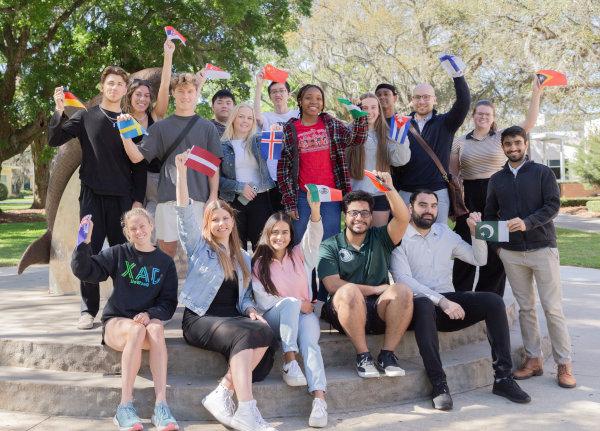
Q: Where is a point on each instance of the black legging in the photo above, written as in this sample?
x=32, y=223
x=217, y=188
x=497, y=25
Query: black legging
x=492, y=277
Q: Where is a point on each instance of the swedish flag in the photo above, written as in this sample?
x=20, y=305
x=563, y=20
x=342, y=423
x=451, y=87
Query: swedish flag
x=131, y=129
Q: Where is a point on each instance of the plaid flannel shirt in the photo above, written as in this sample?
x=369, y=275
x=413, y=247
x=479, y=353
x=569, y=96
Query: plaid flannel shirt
x=341, y=136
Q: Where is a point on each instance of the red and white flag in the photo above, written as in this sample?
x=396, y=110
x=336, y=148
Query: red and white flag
x=214, y=72
x=173, y=34
x=203, y=161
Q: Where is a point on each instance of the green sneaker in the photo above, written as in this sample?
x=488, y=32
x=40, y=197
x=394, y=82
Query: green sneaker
x=127, y=419
x=162, y=418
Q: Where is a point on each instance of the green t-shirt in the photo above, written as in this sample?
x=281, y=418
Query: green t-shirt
x=368, y=266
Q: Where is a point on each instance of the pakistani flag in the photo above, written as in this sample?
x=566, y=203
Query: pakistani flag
x=323, y=193
x=494, y=231
x=354, y=110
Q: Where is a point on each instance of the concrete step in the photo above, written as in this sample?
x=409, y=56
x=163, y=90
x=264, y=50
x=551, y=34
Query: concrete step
x=96, y=394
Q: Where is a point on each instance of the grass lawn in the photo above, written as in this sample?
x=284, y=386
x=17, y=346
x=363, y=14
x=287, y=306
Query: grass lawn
x=14, y=239
x=16, y=204
x=579, y=248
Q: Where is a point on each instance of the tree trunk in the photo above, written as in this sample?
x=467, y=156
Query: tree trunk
x=41, y=155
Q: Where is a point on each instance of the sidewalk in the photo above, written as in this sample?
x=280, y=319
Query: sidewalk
x=568, y=221
x=552, y=408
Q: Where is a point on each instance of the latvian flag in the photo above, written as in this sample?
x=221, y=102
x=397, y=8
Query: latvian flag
x=72, y=100
x=214, y=72
x=399, y=128
x=203, y=161
x=173, y=34
x=323, y=193
x=271, y=143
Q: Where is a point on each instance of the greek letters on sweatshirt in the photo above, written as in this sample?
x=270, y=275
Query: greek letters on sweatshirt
x=142, y=281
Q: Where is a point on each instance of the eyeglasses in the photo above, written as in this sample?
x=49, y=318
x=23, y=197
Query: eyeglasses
x=423, y=97
x=356, y=213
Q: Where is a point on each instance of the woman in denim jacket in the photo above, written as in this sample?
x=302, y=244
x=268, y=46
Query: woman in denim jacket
x=245, y=181
x=220, y=314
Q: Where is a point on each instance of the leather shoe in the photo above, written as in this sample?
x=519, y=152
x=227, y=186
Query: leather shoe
x=441, y=397
x=531, y=367
x=564, y=376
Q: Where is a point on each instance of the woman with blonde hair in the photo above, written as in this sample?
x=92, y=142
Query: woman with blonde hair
x=377, y=154
x=245, y=181
x=220, y=314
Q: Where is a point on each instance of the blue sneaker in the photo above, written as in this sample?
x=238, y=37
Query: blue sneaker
x=162, y=418
x=127, y=419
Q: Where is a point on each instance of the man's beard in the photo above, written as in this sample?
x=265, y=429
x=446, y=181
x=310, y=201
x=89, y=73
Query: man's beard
x=423, y=223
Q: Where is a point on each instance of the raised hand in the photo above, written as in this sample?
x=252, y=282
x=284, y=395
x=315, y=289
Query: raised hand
x=180, y=160
x=59, y=100
x=169, y=48
x=472, y=221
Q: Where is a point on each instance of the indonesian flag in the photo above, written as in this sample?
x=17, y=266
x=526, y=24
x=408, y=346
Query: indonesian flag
x=214, y=72
x=379, y=185
x=354, y=110
x=399, y=128
x=173, y=34
x=551, y=78
x=323, y=193
x=453, y=65
x=203, y=161
x=271, y=73
x=72, y=100
x=493, y=231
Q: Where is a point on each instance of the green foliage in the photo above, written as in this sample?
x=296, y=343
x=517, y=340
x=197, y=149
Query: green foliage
x=3, y=192
x=593, y=206
x=576, y=202
x=14, y=239
x=587, y=162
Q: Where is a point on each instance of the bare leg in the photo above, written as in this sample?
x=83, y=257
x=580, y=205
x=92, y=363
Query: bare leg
x=351, y=309
x=241, y=373
x=395, y=307
x=257, y=355
x=155, y=337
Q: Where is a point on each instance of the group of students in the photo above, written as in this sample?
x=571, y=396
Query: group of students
x=244, y=305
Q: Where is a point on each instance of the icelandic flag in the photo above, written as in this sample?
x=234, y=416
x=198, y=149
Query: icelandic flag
x=453, y=65
x=131, y=128
x=173, y=34
x=399, y=128
x=203, y=161
x=214, y=72
x=271, y=143
x=72, y=100
x=320, y=193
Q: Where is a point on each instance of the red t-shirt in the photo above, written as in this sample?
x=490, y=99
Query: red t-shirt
x=315, y=165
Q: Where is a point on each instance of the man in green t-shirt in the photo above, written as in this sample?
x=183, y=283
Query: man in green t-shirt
x=353, y=266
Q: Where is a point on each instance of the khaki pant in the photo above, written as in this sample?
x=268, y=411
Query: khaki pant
x=543, y=264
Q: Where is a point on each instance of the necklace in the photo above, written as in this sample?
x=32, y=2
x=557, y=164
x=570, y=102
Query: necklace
x=112, y=120
x=139, y=120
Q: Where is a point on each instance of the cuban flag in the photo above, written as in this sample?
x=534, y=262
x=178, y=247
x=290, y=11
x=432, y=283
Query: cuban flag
x=203, y=161
x=131, y=129
x=271, y=143
x=453, y=65
x=399, y=128
x=173, y=34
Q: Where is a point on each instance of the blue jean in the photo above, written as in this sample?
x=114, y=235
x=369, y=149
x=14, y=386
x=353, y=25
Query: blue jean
x=296, y=329
x=443, y=203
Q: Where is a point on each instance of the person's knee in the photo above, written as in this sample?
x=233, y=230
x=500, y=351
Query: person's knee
x=155, y=330
x=348, y=295
x=289, y=305
x=263, y=332
x=403, y=294
x=136, y=332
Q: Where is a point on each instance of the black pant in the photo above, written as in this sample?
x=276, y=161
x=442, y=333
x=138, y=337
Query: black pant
x=492, y=277
x=251, y=218
x=276, y=199
x=106, y=214
x=428, y=320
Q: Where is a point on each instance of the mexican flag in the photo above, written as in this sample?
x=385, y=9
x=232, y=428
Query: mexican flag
x=323, y=193
x=354, y=110
x=493, y=231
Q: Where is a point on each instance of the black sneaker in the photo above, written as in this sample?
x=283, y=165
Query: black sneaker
x=365, y=366
x=441, y=397
x=387, y=363
x=508, y=388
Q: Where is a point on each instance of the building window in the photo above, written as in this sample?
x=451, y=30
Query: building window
x=554, y=164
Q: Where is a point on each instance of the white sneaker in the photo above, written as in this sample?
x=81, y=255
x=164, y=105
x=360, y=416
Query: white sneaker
x=220, y=404
x=86, y=321
x=248, y=418
x=292, y=374
x=318, y=415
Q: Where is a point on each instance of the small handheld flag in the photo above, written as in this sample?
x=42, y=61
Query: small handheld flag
x=84, y=228
x=271, y=73
x=551, y=78
x=493, y=231
x=271, y=143
x=399, y=128
x=354, y=110
x=173, y=34
x=377, y=182
x=72, y=100
x=214, y=72
x=320, y=193
x=131, y=128
x=203, y=161
x=453, y=65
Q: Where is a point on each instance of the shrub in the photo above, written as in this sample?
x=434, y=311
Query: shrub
x=576, y=202
x=3, y=192
x=593, y=206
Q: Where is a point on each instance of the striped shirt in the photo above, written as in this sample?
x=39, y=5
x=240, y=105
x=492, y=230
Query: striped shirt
x=479, y=159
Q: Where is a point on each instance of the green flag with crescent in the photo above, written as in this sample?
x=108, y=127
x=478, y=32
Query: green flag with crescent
x=494, y=231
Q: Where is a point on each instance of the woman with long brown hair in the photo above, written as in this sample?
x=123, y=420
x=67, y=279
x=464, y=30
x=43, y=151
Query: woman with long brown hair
x=378, y=153
x=280, y=280
x=220, y=314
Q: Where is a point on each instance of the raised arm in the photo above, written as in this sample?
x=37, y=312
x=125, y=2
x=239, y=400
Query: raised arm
x=534, y=106
x=475, y=254
x=189, y=231
x=457, y=114
x=92, y=268
x=132, y=150
x=355, y=133
x=62, y=129
x=162, y=98
x=400, y=215
x=313, y=235
x=258, y=97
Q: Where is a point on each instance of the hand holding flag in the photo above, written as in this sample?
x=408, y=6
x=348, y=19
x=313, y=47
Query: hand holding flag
x=213, y=72
x=271, y=73
x=377, y=181
x=453, y=65
x=323, y=193
x=354, y=110
x=130, y=128
x=85, y=228
x=492, y=231
x=68, y=98
x=202, y=161
x=399, y=128
x=551, y=78
x=173, y=34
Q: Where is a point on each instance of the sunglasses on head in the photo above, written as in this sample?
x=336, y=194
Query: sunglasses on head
x=141, y=82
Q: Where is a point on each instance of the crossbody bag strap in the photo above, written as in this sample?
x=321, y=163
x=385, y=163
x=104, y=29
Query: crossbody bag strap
x=430, y=152
x=182, y=135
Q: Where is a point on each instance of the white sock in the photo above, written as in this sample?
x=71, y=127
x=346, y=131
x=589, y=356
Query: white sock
x=246, y=405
